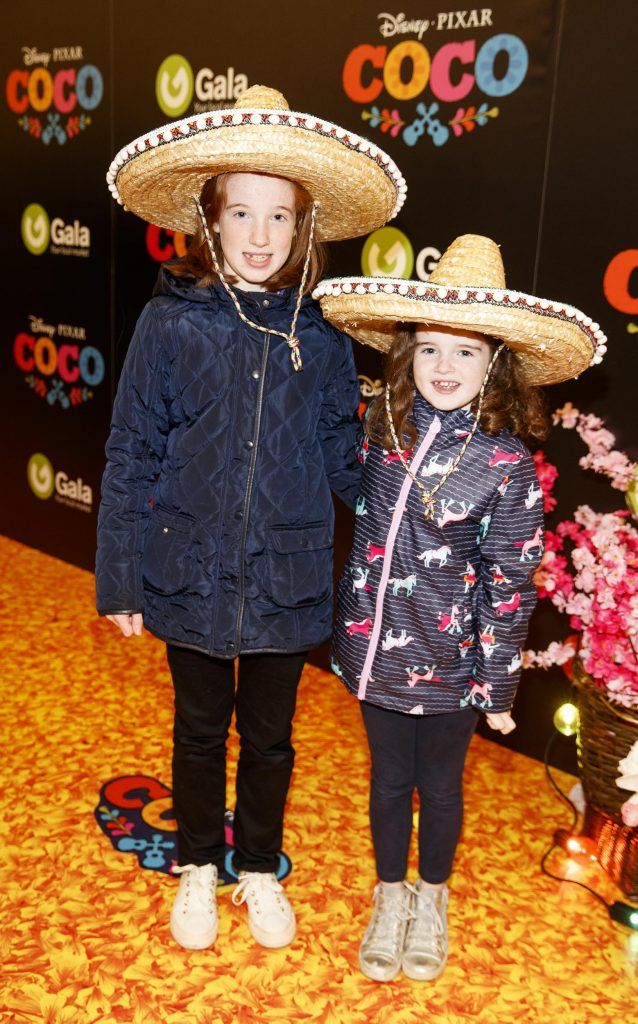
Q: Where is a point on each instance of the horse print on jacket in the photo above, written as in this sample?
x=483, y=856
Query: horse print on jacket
x=441, y=605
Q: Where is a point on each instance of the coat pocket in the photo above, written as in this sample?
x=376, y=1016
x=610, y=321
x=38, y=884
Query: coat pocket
x=300, y=565
x=167, y=552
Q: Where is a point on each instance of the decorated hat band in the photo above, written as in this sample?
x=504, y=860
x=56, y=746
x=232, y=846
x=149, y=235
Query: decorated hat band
x=356, y=186
x=553, y=340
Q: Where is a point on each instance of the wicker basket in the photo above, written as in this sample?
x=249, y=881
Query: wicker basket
x=606, y=733
x=616, y=848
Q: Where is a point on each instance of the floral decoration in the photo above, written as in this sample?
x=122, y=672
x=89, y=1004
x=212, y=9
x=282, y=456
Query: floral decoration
x=589, y=569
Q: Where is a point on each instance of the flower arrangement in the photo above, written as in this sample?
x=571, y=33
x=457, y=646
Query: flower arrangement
x=589, y=571
x=596, y=582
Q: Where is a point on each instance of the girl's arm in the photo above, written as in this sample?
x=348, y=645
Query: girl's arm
x=134, y=450
x=510, y=553
x=338, y=427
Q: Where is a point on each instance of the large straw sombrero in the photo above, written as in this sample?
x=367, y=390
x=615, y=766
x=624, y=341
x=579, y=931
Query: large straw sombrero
x=467, y=291
x=356, y=185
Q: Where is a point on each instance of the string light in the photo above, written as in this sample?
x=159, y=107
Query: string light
x=566, y=719
x=580, y=849
x=624, y=914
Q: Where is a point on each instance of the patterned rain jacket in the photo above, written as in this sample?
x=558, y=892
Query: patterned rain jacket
x=217, y=519
x=433, y=613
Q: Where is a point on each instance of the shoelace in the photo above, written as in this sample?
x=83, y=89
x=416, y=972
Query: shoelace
x=263, y=885
x=427, y=924
x=384, y=928
x=203, y=884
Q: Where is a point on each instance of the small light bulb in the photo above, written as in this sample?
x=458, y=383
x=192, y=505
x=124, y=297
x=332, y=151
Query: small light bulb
x=566, y=719
x=580, y=849
x=624, y=914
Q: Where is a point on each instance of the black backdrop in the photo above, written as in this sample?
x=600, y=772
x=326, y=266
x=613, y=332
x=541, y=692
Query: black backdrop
x=514, y=121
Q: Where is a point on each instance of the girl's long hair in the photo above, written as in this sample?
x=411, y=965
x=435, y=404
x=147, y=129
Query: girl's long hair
x=509, y=402
x=197, y=260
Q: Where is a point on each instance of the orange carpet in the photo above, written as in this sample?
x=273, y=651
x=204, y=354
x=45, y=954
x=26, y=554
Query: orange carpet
x=84, y=930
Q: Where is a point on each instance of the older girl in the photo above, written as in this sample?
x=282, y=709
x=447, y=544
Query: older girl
x=235, y=418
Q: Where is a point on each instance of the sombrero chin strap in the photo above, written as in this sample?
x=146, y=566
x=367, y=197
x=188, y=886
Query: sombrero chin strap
x=293, y=341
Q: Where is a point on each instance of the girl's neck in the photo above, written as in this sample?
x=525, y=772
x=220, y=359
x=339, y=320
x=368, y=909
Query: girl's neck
x=246, y=286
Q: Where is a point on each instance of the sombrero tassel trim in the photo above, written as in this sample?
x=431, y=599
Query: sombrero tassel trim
x=292, y=340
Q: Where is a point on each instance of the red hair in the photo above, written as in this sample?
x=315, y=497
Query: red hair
x=197, y=260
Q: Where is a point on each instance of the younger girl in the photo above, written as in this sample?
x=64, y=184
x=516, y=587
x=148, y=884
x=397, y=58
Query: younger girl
x=234, y=419
x=436, y=596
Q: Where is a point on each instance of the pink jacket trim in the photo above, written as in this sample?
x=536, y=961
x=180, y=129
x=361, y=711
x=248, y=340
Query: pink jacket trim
x=397, y=516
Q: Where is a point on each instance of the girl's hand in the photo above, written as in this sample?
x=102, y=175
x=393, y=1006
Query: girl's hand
x=501, y=722
x=131, y=625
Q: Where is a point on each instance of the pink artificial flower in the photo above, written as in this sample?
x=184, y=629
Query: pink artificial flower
x=629, y=812
x=547, y=474
x=597, y=584
x=567, y=416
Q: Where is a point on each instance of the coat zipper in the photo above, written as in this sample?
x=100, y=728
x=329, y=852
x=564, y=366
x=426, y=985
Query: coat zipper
x=249, y=488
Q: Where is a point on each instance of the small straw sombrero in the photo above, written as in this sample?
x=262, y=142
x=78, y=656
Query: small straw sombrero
x=356, y=186
x=467, y=291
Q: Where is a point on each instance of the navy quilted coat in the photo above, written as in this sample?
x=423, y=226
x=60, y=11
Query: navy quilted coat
x=433, y=614
x=216, y=519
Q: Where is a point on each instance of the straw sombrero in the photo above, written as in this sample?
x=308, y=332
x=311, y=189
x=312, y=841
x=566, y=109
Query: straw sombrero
x=356, y=186
x=467, y=291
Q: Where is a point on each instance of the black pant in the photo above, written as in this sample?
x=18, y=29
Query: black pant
x=265, y=704
x=427, y=753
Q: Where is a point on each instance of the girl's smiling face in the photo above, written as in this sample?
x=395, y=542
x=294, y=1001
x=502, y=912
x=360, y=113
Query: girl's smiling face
x=449, y=365
x=256, y=227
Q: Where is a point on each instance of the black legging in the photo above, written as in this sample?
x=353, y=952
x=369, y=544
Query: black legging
x=427, y=753
x=264, y=705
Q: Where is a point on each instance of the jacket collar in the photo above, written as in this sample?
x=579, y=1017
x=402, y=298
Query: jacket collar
x=455, y=419
x=216, y=295
x=259, y=301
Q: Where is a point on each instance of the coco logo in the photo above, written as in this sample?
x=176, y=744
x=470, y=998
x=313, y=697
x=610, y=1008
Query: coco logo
x=56, y=102
x=57, y=363
x=617, y=282
x=44, y=481
x=388, y=252
x=176, y=84
x=164, y=243
x=452, y=72
x=39, y=234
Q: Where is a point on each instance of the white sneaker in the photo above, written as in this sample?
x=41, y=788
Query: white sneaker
x=194, y=921
x=270, y=917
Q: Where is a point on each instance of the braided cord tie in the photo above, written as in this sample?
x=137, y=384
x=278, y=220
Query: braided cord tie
x=427, y=497
x=293, y=341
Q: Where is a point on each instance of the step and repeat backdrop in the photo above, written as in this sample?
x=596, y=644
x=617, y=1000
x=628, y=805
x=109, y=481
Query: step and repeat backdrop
x=515, y=120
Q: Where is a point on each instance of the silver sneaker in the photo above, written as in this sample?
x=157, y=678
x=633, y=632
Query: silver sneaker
x=425, y=950
x=382, y=946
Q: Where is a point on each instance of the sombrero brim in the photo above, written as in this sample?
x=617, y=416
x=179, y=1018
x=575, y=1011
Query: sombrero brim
x=356, y=185
x=554, y=342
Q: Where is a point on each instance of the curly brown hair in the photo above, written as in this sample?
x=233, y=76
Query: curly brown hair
x=197, y=260
x=509, y=401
